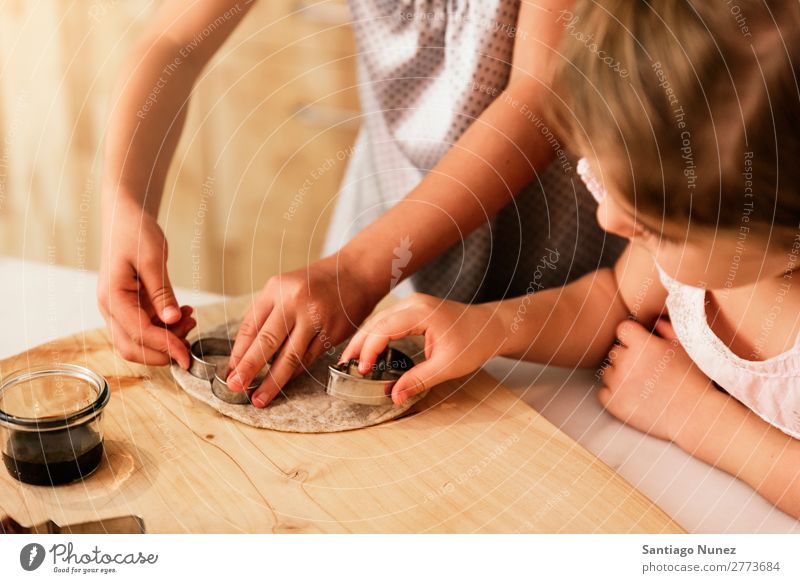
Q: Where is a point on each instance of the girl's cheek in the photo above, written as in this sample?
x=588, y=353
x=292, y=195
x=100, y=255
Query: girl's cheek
x=601, y=218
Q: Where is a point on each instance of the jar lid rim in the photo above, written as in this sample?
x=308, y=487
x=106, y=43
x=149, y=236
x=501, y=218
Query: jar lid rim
x=60, y=422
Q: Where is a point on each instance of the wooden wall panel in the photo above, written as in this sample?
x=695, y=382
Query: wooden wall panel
x=248, y=148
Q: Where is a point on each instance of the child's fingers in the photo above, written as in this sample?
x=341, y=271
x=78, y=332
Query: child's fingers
x=254, y=320
x=183, y=326
x=289, y=359
x=127, y=307
x=124, y=309
x=316, y=347
x=631, y=333
x=604, y=395
x=664, y=329
x=134, y=352
x=353, y=348
x=609, y=372
x=386, y=328
x=374, y=345
x=155, y=279
x=615, y=353
x=266, y=344
x=423, y=376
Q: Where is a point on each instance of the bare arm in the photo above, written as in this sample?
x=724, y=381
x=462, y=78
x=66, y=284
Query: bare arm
x=494, y=159
x=134, y=293
x=724, y=433
x=576, y=325
x=152, y=93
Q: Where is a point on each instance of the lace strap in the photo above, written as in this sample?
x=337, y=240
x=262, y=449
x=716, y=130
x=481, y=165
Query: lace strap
x=670, y=284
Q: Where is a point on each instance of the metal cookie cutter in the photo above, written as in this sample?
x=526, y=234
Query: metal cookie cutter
x=202, y=352
x=221, y=391
x=375, y=388
x=201, y=349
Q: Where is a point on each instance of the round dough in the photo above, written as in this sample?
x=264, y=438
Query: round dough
x=303, y=406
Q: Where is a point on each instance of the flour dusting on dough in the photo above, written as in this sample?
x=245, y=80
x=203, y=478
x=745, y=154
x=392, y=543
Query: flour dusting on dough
x=303, y=406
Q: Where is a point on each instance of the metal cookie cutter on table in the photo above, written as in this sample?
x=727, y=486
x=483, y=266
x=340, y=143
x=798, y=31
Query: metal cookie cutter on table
x=375, y=388
x=210, y=361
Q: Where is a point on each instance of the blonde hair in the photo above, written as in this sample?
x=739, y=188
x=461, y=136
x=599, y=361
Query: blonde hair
x=705, y=124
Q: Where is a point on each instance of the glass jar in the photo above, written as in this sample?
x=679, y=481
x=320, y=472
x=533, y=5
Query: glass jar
x=50, y=423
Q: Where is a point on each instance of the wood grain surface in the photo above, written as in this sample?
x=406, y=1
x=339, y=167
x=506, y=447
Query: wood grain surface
x=470, y=458
x=254, y=178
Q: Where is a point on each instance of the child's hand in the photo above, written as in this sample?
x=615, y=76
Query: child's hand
x=134, y=293
x=650, y=381
x=296, y=317
x=459, y=338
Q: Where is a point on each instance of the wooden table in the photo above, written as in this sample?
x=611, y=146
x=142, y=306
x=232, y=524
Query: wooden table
x=471, y=458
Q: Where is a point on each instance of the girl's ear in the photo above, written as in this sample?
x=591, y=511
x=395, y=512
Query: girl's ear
x=615, y=219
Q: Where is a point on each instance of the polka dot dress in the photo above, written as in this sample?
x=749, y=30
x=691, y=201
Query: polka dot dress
x=427, y=70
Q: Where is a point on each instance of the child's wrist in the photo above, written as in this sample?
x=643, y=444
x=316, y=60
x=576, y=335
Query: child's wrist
x=493, y=331
x=490, y=320
x=696, y=420
x=355, y=266
x=123, y=197
x=509, y=330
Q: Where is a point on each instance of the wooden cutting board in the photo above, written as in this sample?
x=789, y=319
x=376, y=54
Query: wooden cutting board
x=471, y=458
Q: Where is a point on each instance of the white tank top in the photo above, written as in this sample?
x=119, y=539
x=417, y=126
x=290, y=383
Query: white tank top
x=770, y=388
